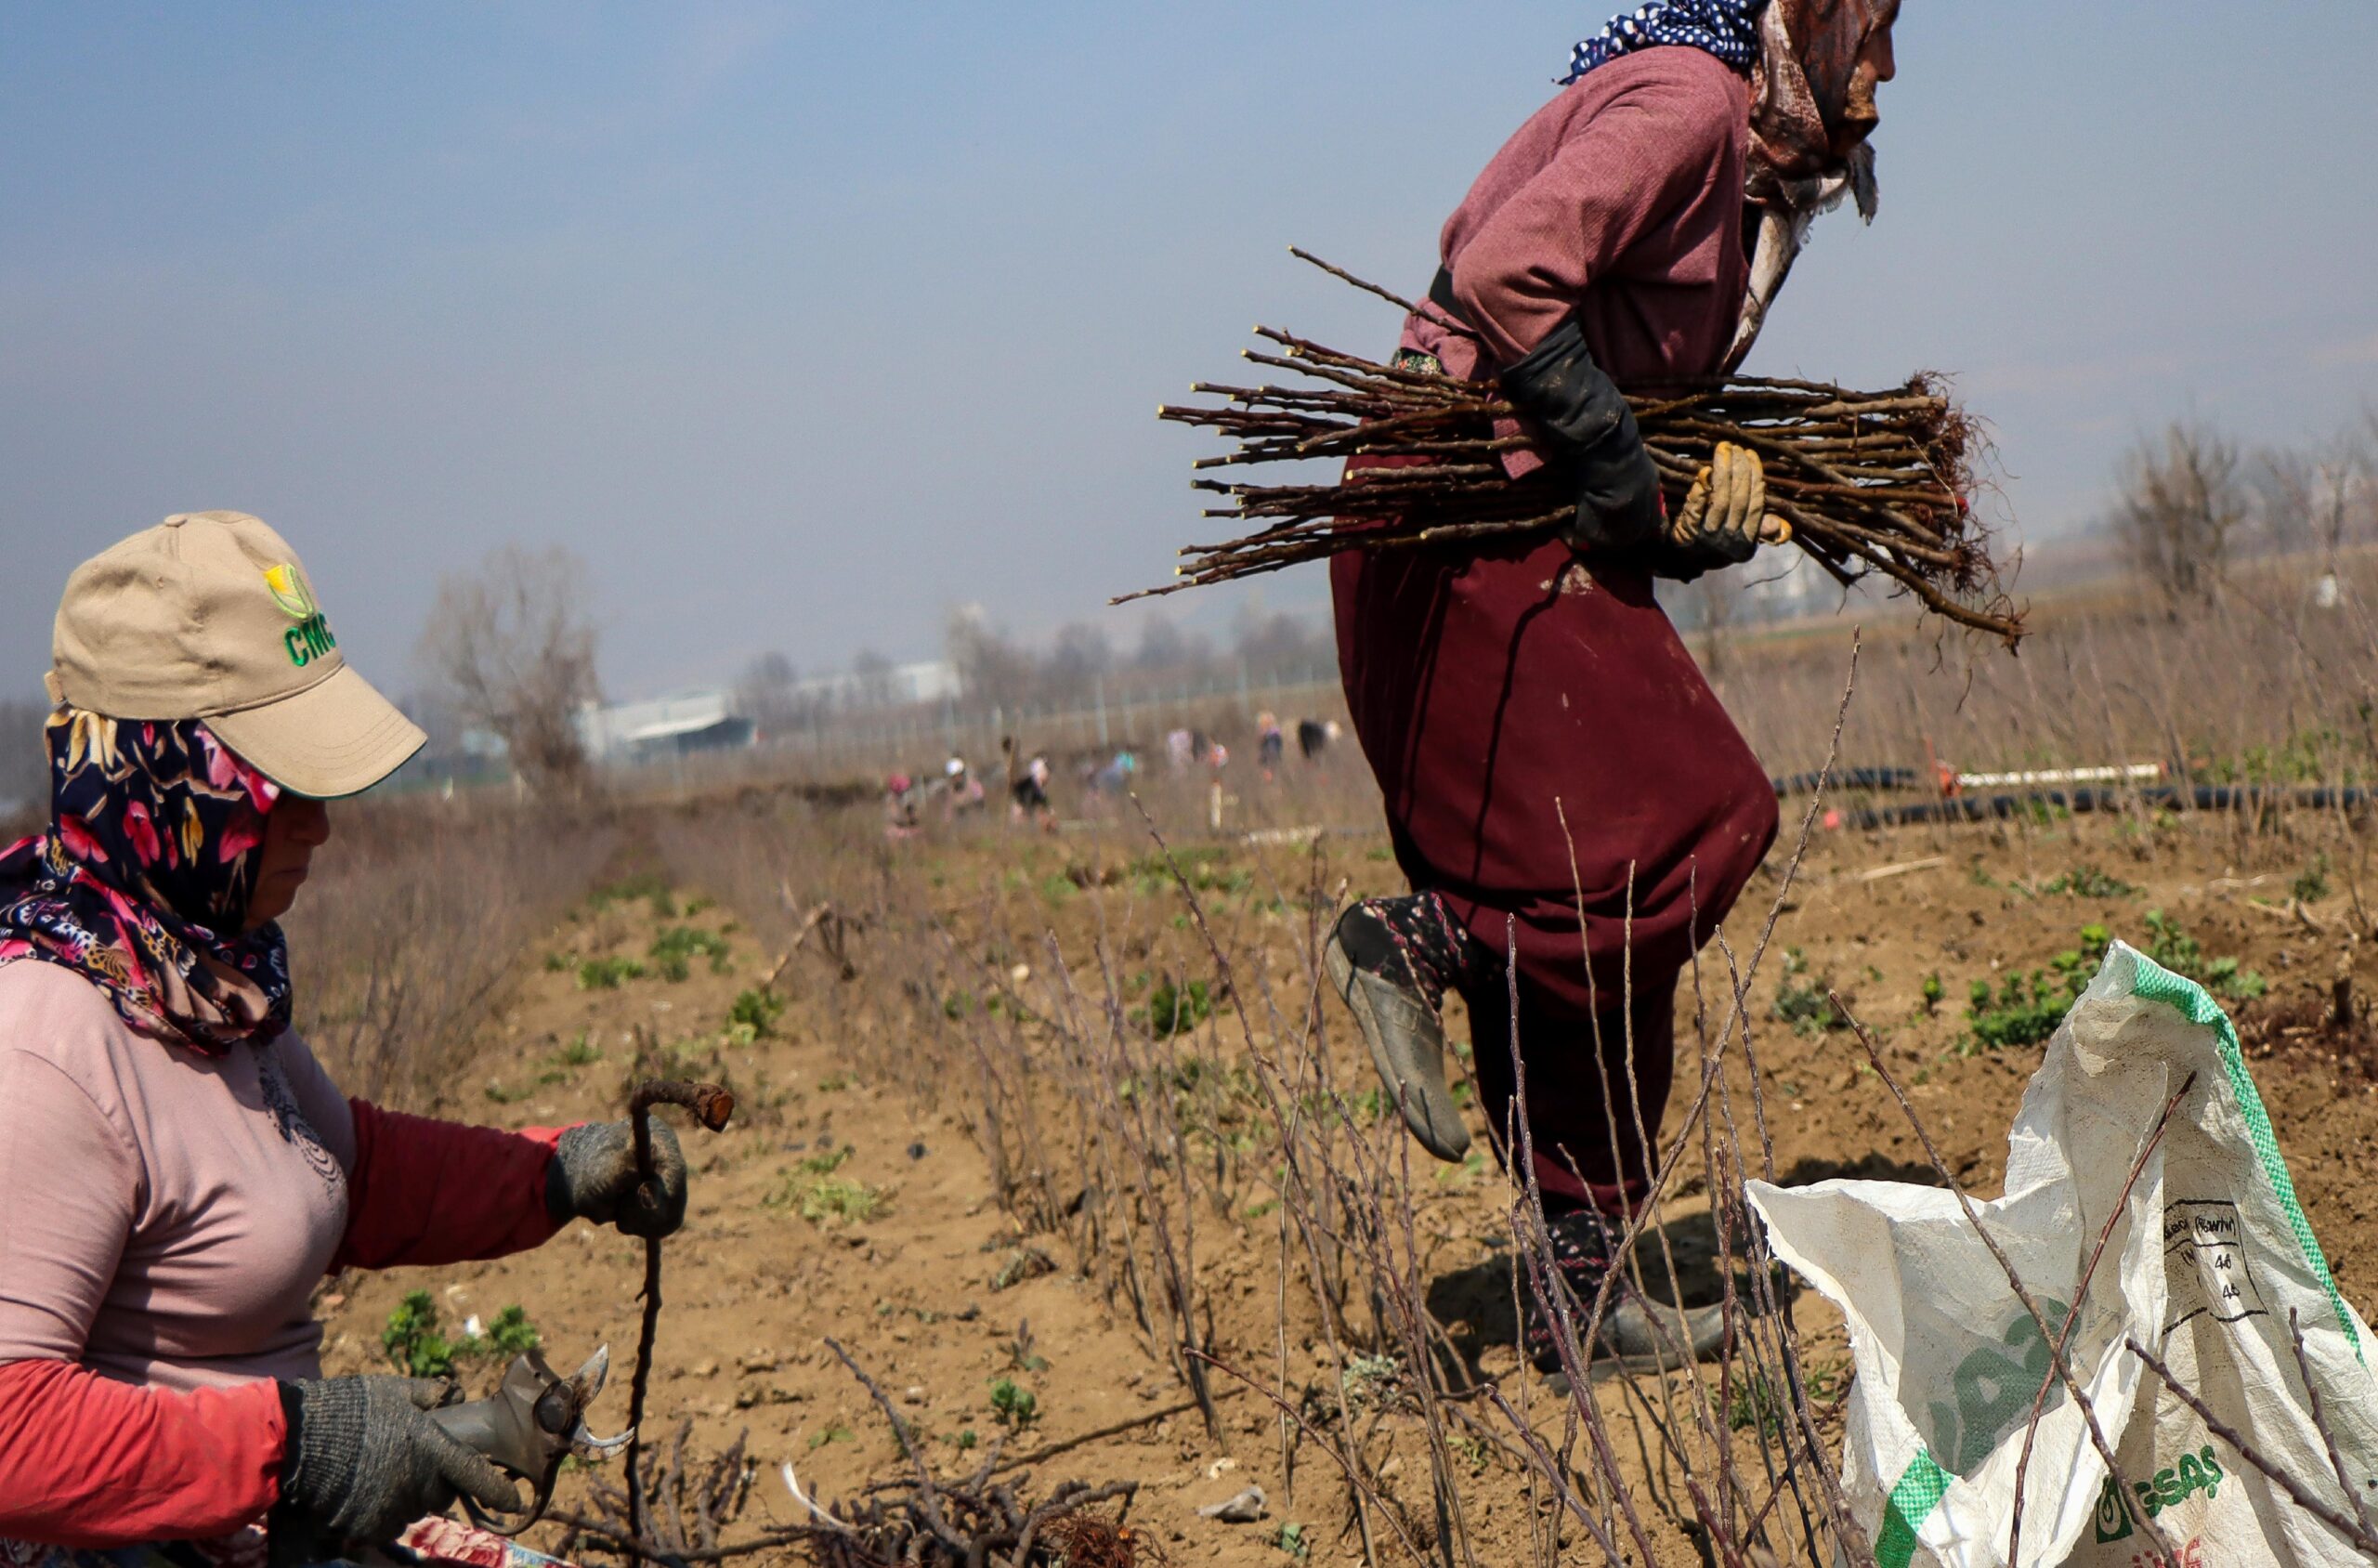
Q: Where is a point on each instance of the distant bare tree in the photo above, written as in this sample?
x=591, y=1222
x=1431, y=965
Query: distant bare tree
x=511, y=644
x=2183, y=503
x=768, y=693
x=25, y=758
x=1164, y=646
x=875, y=680
x=1080, y=656
x=432, y=707
x=2315, y=500
x=991, y=669
x=1277, y=640
x=2283, y=481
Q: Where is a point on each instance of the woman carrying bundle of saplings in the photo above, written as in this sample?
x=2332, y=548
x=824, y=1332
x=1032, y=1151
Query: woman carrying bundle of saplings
x=1574, y=809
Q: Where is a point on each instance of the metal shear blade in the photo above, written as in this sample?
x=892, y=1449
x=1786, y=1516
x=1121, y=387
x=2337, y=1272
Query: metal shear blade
x=594, y=1450
x=585, y=1384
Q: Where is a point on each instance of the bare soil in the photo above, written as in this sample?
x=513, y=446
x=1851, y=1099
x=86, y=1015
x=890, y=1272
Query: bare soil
x=941, y=1292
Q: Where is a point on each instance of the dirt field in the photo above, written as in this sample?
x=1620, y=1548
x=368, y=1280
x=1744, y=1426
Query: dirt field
x=934, y=1157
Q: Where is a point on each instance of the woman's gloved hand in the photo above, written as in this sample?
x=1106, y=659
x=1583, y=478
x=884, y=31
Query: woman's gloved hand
x=365, y=1461
x=1588, y=424
x=1724, y=521
x=594, y=1177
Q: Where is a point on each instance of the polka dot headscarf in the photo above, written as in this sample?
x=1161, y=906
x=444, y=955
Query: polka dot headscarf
x=1728, y=29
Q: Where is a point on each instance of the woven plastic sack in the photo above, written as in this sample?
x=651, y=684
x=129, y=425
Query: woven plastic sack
x=2207, y=1258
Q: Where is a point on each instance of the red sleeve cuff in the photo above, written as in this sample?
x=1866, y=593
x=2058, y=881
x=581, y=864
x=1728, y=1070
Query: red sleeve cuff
x=90, y=1463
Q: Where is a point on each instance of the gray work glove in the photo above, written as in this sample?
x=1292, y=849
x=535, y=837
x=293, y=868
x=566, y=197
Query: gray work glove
x=594, y=1177
x=365, y=1462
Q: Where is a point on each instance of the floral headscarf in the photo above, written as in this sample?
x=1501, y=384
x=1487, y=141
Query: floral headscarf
x=141, y=884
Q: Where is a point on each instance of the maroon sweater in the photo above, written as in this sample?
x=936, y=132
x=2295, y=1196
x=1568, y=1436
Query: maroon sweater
x=1621, y=200
x=1547, y=751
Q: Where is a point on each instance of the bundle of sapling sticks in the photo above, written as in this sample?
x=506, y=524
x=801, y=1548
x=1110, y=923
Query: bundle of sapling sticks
x=1870, y=482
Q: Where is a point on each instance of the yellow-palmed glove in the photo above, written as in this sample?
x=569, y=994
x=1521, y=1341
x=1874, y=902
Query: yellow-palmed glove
x=1724, y=521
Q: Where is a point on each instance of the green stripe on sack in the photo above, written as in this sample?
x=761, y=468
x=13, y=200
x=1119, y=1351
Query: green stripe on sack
x=2154, y=983
x=1921, y=1487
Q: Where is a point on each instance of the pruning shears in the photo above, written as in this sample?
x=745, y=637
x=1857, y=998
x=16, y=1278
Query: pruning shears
x=534, y=1420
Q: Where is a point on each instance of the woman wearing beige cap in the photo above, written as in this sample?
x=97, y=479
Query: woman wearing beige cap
x=176, y=1172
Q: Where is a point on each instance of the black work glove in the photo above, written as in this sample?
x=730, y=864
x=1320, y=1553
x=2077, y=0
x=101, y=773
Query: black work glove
x=594, y=1177
x=1590, y=427
x=364, y=1462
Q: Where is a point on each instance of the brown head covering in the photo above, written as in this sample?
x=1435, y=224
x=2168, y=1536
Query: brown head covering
x=1806, y=95
x=1807, y=101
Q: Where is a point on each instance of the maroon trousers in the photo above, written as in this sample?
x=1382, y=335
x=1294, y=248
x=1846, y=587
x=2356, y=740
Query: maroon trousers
x=1554, y=766
x=1595, y=1089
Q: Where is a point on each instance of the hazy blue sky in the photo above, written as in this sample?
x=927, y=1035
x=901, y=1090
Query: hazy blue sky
x=806, y=321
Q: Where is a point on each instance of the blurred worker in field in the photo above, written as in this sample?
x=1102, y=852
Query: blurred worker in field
x=1115, y=778
x=180, y=1172
x=1561, y=784
x=1270, y=744
x=1314, y=739
x=902, y=811
x=1031, y=793
x=961, y=792
x=1027, y=786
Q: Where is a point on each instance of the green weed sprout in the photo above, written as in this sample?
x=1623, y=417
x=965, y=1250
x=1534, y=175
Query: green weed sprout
x=417, y=1348
x=756, y=1009
x=411, y=1341
x=606, y=974
x=1012, y=1405
x=675, y=950
x=1176, y=1009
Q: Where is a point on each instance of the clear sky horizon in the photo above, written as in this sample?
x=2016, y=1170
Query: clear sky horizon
x=802, y=323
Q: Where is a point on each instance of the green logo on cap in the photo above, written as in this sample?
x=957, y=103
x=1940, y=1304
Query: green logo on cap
x=289, y=591
x=310, y=638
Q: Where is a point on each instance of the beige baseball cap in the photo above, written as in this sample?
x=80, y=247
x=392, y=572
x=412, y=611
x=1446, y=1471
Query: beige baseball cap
x=209, y=615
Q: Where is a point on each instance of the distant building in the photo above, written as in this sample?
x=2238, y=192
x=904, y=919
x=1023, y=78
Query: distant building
x=662, y=728
x=892, y=686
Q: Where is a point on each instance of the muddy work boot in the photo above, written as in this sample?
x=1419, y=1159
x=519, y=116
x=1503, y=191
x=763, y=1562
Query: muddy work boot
x=1637, y=1335
x=1392, y=960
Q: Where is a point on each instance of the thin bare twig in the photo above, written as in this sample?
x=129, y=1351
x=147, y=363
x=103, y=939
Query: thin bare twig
x=2360, y=1535
x=712, y=1106
x=2080, y=1298
x=2320, y=1422
x=776, y=972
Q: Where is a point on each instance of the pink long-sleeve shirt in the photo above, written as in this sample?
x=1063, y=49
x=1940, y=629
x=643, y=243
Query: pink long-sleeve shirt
x=164, y=1217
